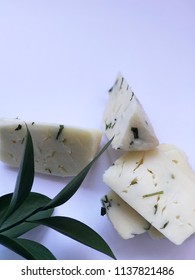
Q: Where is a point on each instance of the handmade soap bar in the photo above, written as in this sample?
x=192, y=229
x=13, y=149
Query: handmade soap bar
x=125, y=119
x=58, y=149
x=155, y=186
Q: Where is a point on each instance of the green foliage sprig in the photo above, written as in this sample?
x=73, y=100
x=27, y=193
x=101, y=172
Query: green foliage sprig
x=24, y=210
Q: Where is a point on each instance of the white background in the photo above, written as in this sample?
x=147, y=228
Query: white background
x=57, y=61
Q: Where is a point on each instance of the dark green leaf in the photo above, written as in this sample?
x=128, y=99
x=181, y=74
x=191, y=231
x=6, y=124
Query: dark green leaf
x=34, y=201
x=69, y=190
x=79, y=232
x=24, y=179
x=4, y=204
x=28, y=249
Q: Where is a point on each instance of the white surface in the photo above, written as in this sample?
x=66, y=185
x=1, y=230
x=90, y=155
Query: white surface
x=57, y=61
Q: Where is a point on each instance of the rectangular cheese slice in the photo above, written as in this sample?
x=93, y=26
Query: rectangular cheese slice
x=58, y=150
x=124, y=218
x=155, y=187
x=125, y=119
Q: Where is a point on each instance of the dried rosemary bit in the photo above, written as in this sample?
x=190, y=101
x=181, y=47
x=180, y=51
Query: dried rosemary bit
x=135, y=132
x=155, y=208
x=139, y=162
x=18, y=127
x=131, y=95
x=152, y=194
x=110, y=125
x=106, y=202
x=122, y=80
x=133, y=182
x=103, y=211
x=59, y=131
x=164, y=226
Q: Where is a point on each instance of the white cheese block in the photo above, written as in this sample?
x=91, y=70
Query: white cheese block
x=58, y=149
x=124, y=218
x=155, y=187
x=180, y=159
x=125, y=119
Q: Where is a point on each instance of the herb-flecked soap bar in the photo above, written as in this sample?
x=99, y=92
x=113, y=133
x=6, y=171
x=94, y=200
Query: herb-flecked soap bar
x=125, y=119
x=127, y=222
x=155, y=185
x=58, y=149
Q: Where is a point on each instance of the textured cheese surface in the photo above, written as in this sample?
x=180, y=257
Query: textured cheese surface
x=58, y=150
x=179, y=158
x=124, y=218
x=155, y=187
x=125, y=119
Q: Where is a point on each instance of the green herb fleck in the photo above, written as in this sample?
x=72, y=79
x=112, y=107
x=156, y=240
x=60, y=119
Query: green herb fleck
x=152, y=194
x=48, y=169
x=132, y=96
x=106, y=202
x=110, y=125
x=110, y=90
x=59, y=131
x=139, y=162
x=125, y=191
x=103, y=211
x=164, y=226
x=18, y=127
x=155, y=208
x=163, y=209
x=122, y=80
x=133, y=182
x=135, y=132
x=116, y=82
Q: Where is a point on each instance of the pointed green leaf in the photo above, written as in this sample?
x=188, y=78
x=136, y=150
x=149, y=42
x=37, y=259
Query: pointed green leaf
x=69, y=190
x=16, y=224
x=28, y=249
x=79, y=232
x=4, y=204
x=24, y=179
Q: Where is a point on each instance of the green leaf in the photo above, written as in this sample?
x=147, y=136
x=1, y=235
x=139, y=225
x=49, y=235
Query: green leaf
x=77, y=231
x=16, y=224
x=25, y=177
x=28, y=249
x=69, y=190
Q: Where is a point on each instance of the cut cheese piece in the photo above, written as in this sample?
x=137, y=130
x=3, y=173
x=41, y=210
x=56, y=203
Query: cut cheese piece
x=58, y=150
x=125, y=119
x=180, y=159
x=124, y=218
x=155, y=187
